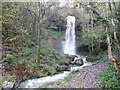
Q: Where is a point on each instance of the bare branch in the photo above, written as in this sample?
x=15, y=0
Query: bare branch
x=31, y=12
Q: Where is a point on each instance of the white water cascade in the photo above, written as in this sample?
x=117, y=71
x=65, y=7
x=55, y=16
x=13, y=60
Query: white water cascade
x=69, y=46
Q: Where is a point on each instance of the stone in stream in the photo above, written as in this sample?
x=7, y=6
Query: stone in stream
x=78, y=61
x=64, y=67
x=7, y=84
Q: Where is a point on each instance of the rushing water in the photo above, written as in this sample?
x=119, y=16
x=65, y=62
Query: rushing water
x=69, y=46
x=49, y=80
x=40, y=82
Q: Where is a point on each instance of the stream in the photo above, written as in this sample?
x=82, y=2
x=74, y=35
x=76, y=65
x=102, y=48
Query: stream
x=49, y=80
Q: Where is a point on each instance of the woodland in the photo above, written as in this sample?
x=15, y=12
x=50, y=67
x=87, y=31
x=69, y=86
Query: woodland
x=31, y=42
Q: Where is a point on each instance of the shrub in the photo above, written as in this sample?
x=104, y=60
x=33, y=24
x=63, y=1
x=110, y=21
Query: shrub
x=57, y=67
x=21, y=71
x=8, y=57
x=25, y=51
x=51, y=70
x=110, y=78
x=97, y=58
x=93, y=39
x=45, y=70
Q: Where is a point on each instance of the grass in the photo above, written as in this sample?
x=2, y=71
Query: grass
x=71, y=75
x=81, y=80
x=80, y=83
x=56, y=84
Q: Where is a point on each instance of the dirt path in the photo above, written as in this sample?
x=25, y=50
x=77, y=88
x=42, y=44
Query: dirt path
x=84, y=79
x=90, y=80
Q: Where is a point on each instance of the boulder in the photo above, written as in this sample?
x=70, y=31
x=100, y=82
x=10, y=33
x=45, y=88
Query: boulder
x=71, y=58
x=64, y=68
x=7, y=84
x=79, y=61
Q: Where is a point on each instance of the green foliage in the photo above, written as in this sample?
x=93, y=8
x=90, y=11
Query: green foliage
x=51, y=70
x=24, y=37
x=51, y=61
x=25, y=32
x=8, y=57
x=106, y=21
x=110, y=78
x=31, y=43
x=97, y=58
x=25, y=51
x=57, y=67
x=93, y=38
x=49, y=54
x=44, y=70
x=10, y=18
x=52, y=34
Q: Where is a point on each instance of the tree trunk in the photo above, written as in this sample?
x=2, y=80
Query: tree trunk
x=38, y=46
x=110, y=53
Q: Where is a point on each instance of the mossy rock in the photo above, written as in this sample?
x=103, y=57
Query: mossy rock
x=93, y=58
x=64, y=68
x=71, y=58
x=90, y=59
x=79, y=62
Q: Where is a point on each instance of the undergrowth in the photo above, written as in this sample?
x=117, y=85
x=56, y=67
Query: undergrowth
x=52, y=34
x=110, y=78
x=51, y=63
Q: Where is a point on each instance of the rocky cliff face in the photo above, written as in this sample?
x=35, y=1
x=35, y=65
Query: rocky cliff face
x=56, y=18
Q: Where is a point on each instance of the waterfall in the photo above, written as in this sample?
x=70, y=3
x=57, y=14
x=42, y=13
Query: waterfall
x=69, y=46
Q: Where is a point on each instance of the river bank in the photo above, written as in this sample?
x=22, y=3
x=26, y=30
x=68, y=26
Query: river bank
x=87, y=78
